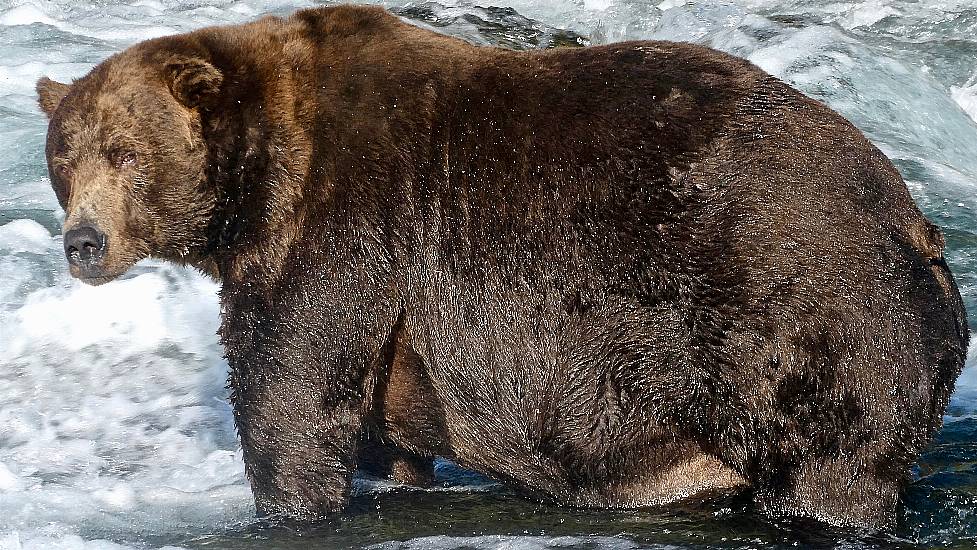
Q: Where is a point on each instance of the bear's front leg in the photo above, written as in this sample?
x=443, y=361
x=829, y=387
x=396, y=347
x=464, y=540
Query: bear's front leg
x=298, y=451
x=297, y=374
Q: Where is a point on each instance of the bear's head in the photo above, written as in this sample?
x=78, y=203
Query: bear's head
x=128, y=161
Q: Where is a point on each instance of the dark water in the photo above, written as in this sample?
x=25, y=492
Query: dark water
x=939, y=511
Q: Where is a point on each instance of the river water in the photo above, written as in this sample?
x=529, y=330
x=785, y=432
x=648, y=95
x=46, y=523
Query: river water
x=114, y=428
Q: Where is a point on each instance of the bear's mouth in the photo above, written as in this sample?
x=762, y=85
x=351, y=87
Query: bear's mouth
x=96, y=275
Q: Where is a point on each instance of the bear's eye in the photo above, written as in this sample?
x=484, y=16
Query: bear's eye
x=62, y=171
x=124, y=158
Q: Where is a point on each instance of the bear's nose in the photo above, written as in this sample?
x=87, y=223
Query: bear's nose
x=84, y=245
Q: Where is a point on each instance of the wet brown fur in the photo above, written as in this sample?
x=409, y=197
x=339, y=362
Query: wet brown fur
x=612, y=276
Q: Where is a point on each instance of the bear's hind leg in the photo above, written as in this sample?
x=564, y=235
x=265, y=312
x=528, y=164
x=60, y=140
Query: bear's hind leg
x=413, y=470
x=836, y=490
x=388, y=462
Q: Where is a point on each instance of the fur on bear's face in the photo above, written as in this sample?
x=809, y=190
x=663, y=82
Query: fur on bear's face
x=127, y=160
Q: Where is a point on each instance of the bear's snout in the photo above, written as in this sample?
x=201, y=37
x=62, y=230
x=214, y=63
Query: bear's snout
x=85, y=247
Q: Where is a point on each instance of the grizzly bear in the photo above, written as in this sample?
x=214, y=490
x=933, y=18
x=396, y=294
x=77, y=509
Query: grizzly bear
x=610, y=276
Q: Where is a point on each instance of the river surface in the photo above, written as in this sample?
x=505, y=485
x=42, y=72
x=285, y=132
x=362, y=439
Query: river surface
x=114, y=427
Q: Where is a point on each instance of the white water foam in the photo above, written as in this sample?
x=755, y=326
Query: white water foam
x=966, y=97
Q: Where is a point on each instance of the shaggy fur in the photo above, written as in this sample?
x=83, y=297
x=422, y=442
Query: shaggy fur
x=611, y=276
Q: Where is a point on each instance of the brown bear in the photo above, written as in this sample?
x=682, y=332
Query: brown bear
x=612, y=276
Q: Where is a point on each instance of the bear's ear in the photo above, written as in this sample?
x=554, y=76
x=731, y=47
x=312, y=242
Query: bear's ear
x=50, y=94
x=192, y=80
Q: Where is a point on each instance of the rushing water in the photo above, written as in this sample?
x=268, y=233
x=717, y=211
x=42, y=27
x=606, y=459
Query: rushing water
x=114, y=429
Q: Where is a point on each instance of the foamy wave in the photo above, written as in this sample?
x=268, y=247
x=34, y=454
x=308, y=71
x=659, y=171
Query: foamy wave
x=113, y=411
x=14, y=541
x=966, y=97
